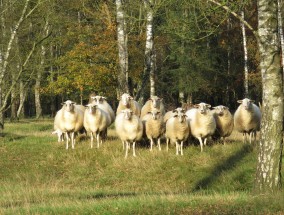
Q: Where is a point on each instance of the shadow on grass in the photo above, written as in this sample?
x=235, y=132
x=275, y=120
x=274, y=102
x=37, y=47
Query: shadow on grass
x=106, y=195
x=226, y=165
x=8, y=137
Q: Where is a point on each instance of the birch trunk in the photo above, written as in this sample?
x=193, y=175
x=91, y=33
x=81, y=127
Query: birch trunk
x=280, y=30
x=122, y=50
x=4, y=62
x=23, y=94
x=149, y=66
x=268, y=177
x=246, y=88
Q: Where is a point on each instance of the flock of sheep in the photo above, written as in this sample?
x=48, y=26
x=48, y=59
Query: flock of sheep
x=133, y=123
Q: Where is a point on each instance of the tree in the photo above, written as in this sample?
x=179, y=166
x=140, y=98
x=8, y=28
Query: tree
x=268, y=177
x=122, y=39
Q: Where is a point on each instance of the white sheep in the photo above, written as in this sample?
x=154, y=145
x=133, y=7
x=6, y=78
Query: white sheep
x=104, y=105
x=177, y=129
x=96, y=121
x=247, y=118
x=153, y=127
x=70, y=120
x=153, y=103
x=129, y=129
x=127, y=102
x=224, y=122
x=202, y=122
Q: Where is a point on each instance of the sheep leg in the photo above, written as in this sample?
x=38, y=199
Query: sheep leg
x=151, y=144
x=181, y=148
x=244, y=137
x=67, y=139
x=159, y=144
x=133, y=146
x=168, y=140
x=205, y=140
x=73, y=139
x=177, y=148
x=98, y=139
x=126, y=148
x=92, y=139
x=123, y=145
x=201, y=143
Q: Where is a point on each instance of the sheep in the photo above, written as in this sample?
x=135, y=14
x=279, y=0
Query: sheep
x=60, y=135
x=177, y=129
x=70, y=120
x=153, y=127
x=247, y=118
x=202, y=122
x=153, y=102
x=224, y=122
x=129, y=129
x=104, y=105
x=96, y=121
x=127, y=102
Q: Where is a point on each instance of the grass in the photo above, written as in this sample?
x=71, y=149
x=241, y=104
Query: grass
x=39, y=176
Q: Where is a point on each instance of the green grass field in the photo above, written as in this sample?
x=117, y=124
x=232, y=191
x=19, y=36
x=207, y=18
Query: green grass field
x=39, y=176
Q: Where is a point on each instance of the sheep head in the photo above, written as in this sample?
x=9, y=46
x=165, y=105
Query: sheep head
x=127, y=114
x=220, y=110
x=91, y=108
x=202, y=107
x=180, y=114
x=69, y=105
x=156, y=101
x=125, y=99
x=98, y=99
x=246, y=103
x=155, y=114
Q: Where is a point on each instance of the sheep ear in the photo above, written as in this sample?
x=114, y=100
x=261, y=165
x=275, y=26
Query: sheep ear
x=207, y=105
x=93, y=97
x=104, y=98
x=252, y=101
x=240, y=101
x=130, y=97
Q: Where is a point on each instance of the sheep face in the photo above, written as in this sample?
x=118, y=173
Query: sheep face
x=127, y=114
x=180, y=114
x=125, y=99
x=98, y=99
x=69, y=105
x=220, y=110
x=91, y=108
x=202, y=107
x=246, y=103
x=156, y=101
x=155, y=114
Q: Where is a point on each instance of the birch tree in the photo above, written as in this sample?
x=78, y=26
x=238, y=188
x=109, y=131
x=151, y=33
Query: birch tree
x=280, y=30
x=122, y=76
x=149, y=66
x=268, y=177
x=246, y=88
x=268, y=173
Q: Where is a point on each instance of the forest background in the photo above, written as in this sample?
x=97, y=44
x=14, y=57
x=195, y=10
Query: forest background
x=68, y=49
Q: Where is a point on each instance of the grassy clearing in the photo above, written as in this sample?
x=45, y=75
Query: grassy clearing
x=39, y=176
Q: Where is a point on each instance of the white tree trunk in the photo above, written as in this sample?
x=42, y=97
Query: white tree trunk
x=23, y=94
x=246, y=93
x=122, y=49
x=280, y=30
x=268, y=177
x=149, y=49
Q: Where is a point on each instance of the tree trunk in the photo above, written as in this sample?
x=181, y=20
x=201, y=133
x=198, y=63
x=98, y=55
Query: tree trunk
x=229, y=53
x=280, y=30
x=149, y=66
x=246, y=93
x=23, y=94
x=268, y=177
x=122, y=76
